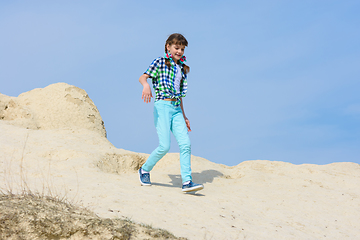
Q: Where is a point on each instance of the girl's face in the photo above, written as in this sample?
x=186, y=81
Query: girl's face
x=177, y=51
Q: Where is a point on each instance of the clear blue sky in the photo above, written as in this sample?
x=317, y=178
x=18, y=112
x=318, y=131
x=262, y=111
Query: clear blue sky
x=271, y=80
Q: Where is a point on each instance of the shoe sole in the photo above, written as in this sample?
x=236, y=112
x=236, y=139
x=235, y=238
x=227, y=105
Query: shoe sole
x=197, y=188
x=145, y=184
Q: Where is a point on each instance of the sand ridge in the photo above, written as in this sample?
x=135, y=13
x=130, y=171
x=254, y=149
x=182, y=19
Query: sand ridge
x=64, y=148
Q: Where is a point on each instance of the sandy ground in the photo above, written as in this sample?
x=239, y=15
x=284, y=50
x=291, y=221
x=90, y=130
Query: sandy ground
x=253, y=200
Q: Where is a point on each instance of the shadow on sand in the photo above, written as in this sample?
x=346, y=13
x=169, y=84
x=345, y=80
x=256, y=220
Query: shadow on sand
x=206, y=176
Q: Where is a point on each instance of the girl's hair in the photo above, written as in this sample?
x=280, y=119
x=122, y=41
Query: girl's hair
x=178, y=39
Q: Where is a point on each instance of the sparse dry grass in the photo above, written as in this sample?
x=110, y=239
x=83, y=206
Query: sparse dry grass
x=29, y=216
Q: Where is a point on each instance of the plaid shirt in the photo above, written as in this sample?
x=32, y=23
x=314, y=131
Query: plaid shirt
x=163, y=80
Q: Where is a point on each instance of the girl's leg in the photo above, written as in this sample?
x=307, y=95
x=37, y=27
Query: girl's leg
x=162, y=119
x=180, y=132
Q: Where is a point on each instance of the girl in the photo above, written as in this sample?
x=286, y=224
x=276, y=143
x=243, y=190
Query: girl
x=168, y=76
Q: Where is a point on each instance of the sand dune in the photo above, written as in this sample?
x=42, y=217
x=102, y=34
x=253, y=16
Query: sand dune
x=54, y=139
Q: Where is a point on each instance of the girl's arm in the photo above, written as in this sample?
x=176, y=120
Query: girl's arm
x=186, y=119
x=146, y=93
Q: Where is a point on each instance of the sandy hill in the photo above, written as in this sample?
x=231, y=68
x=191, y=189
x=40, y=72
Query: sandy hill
x=54, y=140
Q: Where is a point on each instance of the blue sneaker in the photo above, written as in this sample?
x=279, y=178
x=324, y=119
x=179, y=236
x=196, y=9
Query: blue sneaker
x=190, y=187
x=144, y=178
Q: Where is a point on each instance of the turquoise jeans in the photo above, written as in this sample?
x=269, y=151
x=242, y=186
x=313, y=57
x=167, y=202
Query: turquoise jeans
x=168, y=118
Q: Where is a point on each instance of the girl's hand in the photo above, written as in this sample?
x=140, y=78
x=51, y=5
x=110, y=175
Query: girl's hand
x=146, y=93
x=187, y=124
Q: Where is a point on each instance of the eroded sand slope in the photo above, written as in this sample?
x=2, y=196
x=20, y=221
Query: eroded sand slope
x=54, y=140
